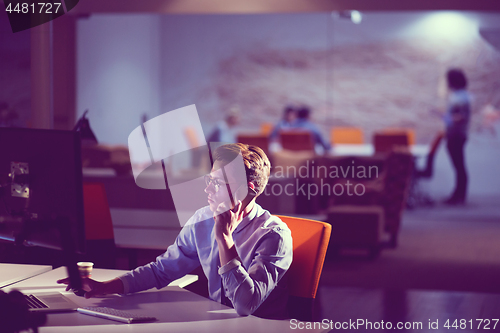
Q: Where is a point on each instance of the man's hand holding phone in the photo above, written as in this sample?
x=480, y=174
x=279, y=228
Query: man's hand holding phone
x=226, y=221
x=227, y=217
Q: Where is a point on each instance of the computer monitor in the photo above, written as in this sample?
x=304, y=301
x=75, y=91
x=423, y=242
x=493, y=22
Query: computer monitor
x=41, y=199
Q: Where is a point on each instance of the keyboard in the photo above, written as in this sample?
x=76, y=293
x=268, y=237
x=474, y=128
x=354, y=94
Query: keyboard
x=113, y=314
x=34, y=303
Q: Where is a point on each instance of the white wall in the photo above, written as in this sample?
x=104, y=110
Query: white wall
x=118, y=73
x=193, y=46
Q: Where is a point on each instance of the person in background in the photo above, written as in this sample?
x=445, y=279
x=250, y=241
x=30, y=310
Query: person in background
x=457, y=118
x=289, y=116
x=303, y=123
x=224, y=130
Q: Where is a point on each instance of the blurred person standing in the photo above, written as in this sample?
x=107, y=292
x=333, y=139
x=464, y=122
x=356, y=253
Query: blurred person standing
x=457, y=119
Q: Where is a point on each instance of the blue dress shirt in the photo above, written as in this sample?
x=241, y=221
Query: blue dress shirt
x=264, y=246
x=282, y=125
x=459, y=103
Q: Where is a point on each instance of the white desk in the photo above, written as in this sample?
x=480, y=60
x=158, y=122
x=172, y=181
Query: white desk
x=12, y=273
x=367, y=149
x=47, y=281
x=177, y=310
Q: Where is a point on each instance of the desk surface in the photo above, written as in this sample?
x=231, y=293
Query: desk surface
x=177, y=310
x=12, y=273
x=47, y=281
x=368, y=149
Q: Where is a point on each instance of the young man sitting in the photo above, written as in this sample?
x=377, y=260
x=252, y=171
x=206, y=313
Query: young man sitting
x=243, y=252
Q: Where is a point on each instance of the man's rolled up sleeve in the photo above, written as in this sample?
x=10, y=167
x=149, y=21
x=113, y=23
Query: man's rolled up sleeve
x=248, y=288
x=179, y=259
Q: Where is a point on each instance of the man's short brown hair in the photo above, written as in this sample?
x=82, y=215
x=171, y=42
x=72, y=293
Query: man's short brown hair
x=257, y=165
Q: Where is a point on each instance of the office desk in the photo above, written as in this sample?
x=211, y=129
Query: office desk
x=12, y=273
x=368, y=149
x=47, y=281
x=176, y=309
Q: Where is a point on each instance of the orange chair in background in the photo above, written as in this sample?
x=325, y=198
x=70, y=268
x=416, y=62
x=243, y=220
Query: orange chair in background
x=346, y=135
x=266, y=128
x=199, y=158
x=385, y=142
x=100, y=245
x=409, y=132
x=296, y=140
x=191, y=137
x=259, y=140
x=310, y=242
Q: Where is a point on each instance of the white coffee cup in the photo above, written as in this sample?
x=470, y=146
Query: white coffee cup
x=85, y=268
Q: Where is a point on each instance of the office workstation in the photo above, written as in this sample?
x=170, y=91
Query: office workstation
x=358, y=110
x=41, y=211
x=175, y=308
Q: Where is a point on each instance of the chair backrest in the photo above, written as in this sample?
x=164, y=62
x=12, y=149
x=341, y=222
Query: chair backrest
x=386, y=142
x=346, y=135
x=429, y=167
x=259, y=140
x=191, y=137
x=310, y=242
x=296, y=140
x=266, y=128
x=409, y=132
x=98, y=223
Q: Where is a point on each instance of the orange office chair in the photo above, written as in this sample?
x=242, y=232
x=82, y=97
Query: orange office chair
x=199, y=154
x=387, y=142
x=191, y=137
x=266, y=128
x=296, y=140
x=100, y=246
x=310, y=242
x=346, y=135
x=259, y=140
x=409, y=132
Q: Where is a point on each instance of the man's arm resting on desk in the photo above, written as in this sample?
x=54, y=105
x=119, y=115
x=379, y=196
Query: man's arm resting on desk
x=179, y=259
x=95, y=288
x=167, y=268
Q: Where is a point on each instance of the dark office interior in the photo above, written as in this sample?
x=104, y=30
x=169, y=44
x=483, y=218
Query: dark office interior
x=373, y=77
